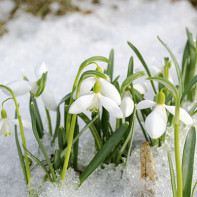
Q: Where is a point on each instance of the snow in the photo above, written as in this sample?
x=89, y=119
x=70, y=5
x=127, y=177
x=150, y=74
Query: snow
x=63, y=43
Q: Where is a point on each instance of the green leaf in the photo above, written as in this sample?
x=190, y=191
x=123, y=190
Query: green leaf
x=93, y=130
x=75, y=147
x=178, y=70
x=193, y=110
x=57, y=160
x=105, y=123
x=143, y=63
x=58, y=117
x=191, y=84
x=39, y=125
x=130, y=67
x=110, y=66
x=173, y=183
x=39, y=163
x=80, y=133
x=171, y=88
x=21, y=157
x=129, y=80
x=194, y=189
x=41, y=85
x=104, y=152
x=188, y=161
x=33, y=119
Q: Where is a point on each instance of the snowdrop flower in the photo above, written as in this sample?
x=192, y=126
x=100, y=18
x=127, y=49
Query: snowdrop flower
x=94, y=100
x=127, y=104
x=106, y=89
x=5, y=126
x=22, y=87
x=156, y=121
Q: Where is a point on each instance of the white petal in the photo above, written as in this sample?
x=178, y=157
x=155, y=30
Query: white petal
x=142, y=88
x=26, y=124
x=18, y=87
x=127, y=104
x=111, y=106
x=155, y=124
x=49, y=100
x=183, y=115
x=95, y=102
x=107, y=89
x=5, y=128
x=86, y=86
x=81, y=104
x=39, y=70
x=155, y=71
x=146, y=104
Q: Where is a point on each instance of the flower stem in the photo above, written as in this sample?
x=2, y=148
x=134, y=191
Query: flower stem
x=22, y=133
x=177, y=151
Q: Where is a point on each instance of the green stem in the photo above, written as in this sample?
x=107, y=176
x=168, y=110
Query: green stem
x=177, y=151
x=49, y=121
x=70, y=138
x=22, y=133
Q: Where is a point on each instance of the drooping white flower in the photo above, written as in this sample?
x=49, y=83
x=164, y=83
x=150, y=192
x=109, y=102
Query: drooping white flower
x=5, y=126
x=94, y=100
x=22, y=87
x=106, y=89
x=156, y=121
x=127, y=104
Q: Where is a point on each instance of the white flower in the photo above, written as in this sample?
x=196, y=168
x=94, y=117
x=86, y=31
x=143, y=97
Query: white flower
x=106, y=89
x=5, y=127
x=156, y=121
x=22, y=87
x=127, y=104
x=94, y=100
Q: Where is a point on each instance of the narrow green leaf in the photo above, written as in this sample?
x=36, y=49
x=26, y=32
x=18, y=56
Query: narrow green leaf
x=49, y=121
x=194, y=189
x=193, y=110
x=171, y=88
x=105, y=123
x=173, y=183
x=110, y=66
x=93, y=130
x=143, y=63
x=130, y=79
x=178, y=70
x=75, y=147
x=191, y=84
x=57, y=160
x=130, y=67
x=21, y=157
x=58, y=117
x=188, y=161
x=79, y=134
x=33, y=119
x=39, y=124
x=39, y=163
x=104, y=152
x=41, y=85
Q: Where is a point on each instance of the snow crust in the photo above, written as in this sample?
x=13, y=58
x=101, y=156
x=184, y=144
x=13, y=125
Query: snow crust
x=63, y=43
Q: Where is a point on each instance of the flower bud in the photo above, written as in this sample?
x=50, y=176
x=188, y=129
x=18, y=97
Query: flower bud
x=161, y=98
x=99, y=69
x=97, y=87
x=3, y=114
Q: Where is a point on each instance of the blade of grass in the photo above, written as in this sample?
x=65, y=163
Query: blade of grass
x=33, y=119
x=178, y=70
x=188, y=161
x=143, y=63
x=173, y=183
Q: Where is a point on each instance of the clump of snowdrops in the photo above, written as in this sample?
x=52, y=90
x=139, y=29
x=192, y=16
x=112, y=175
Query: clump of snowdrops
x=97, y=96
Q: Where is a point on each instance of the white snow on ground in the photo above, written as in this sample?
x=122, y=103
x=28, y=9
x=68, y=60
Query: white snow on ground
x=63, y=43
